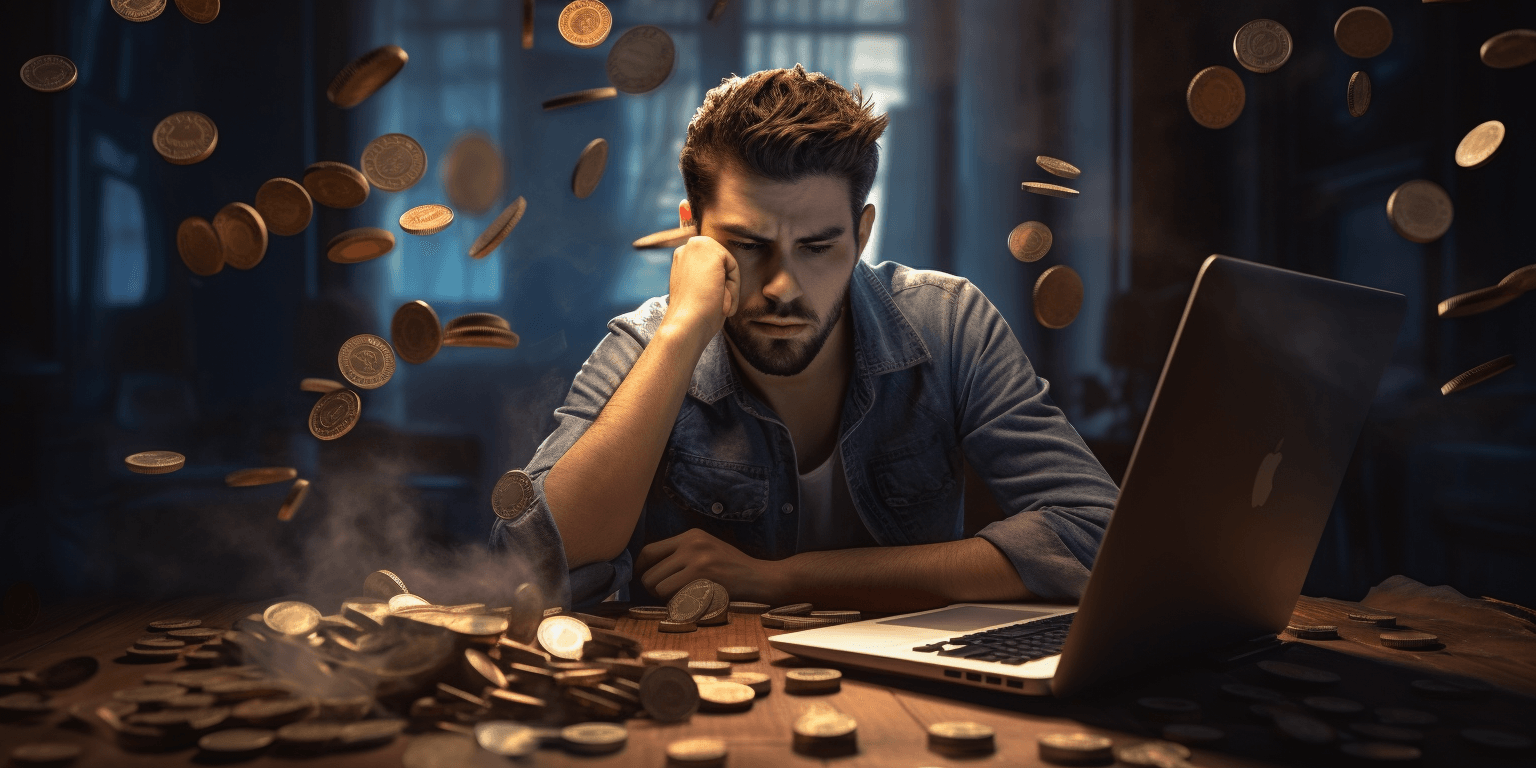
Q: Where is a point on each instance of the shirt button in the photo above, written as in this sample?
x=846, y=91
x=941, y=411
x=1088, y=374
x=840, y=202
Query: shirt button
x=717, y=507
x=787, y=508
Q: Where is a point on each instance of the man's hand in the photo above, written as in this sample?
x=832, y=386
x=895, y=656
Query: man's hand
x=667, y=565
x=705, y=285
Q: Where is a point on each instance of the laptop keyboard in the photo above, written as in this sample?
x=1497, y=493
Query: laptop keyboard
x=1013, y=644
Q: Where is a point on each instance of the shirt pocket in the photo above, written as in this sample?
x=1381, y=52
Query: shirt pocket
x=721, y=490
x=912, y=475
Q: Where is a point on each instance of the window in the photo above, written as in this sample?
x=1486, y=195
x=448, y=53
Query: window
x=124, y=270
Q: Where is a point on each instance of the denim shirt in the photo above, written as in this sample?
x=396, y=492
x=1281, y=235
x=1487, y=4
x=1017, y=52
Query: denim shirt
x=938, y=378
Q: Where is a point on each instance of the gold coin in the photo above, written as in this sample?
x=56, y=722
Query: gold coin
x=812, y=681
x=585, y=23
x=1056, y=167
x=365, y=74
x=1262, y=45
x=155, y=462
x=641, y=59
x=696, y=753
x=478, y=320
x=563, y=636
x=1477, y=375
x=366, y=360
x=498, y=229
x=336, y=185
x=416, y=332
x=1363, y=32
x=737, y=653
x=1216, y=97
x=1058, y=296
x=1358, y=96
x=487, y=337
x=241, y=478
x=1075, y=748
x=581, y=97
x=1511, y=49
x=589, y=168
x=185, y=138
x=355, y=246
x=49, y=73
x=667, y=238
x=285, y=206
x=1420, y=211
x=472, y=174
x=1521, y=280
x=513, y=495
x=527, y=25
x=720, y=696
x=394, y=162
x=242, y=235
x=428, y=219
x=199, y=11
x=138, y=10
x=198, y=243
x=323, y=386
x=825, y=724
x=1049, y=190
x=1480, y=145
x=335, y=414
x=1030, y=241
x=291, y=618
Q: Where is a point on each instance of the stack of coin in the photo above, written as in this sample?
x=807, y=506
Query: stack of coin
x=479, y=329
x=1409, y=640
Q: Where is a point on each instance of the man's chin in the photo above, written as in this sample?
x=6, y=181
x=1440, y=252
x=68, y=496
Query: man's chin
x=770, y=355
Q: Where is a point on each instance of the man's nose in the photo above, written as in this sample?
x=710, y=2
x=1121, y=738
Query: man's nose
x=782, y=286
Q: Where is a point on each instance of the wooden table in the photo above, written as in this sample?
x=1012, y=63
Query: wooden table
x=892, y=712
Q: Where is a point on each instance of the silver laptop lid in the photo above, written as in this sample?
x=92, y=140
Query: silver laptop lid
x=1242, y=451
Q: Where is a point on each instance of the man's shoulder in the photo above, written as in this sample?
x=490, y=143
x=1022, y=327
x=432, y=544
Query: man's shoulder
x=901, y=279
x=642, y=321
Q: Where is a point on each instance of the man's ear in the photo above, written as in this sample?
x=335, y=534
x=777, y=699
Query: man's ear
x=684, y=214
x=866, y=226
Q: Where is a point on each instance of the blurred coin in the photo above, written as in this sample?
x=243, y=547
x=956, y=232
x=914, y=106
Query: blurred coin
x=1382, y=732
x=394, y=162
x=1030, y=241
x=67, y=673
x=428, y=219
x=1216, y=97
x=481, y=337
x=697, y=753
x=1297, y=673
x=960, y=737
x=760, y=683
x=364, y=75
x=1506, y=50
x=285, y=206
x=485, y=668
x=149, y=694
x=309, y=736
x=367, y=733
x=669, y=694
x=1333, y=705
x=1314, y=631
x=737, y=653
x=294, y=499
x=1381, y=751
x=138, y=10
x=1159, y=754
x=1379, y=619
x=527, y=612
x=355, y=246
x=384, y=585
x=1262, y=45
x=445, y=750
x=585, y=23
x=1477, y=375
x=825, y=733
x=667, y=625
x=1192, y=733
x=1488, y=737
x=291, y=617
x=1169, y=709
x=199, y=11
x=527, y=24
x=323, y=386
x=1056, y=167
x=506, y=738
x=581, y=97
x=45, y=753
x=335, y=414
x=668, y=658
x=647, y=612
x=563, y=636
x=513, y=495
x=498, y=229
x=367, y=361
x=719, y=696
x=1307, y=730
x=1403, y=716
x=49, y=73
x=712, y=668
x=690, y=602
x=1358, y=96
x=242, y=235
x=416, y=332
x=405, y=600
x=641, y=59
x=1474, y=302
x=1058, y=296
x=1480, y=144
x=594, y=738
x=741, y=606
x=155, y=462
x=174, y=622
x=667, y=238
x=1049, y=190
x=335, y=185
x=589, y=168
x=812, y=680
x=259, y=476
x=185, y=138
x=1420, y=211
x=195, y=635
x=1363, y=32
x=472, y=173
x=793, y=609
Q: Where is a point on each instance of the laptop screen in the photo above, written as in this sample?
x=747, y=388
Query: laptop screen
x=963, y=617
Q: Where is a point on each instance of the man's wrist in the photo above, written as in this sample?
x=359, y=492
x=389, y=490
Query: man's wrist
x=784, y=577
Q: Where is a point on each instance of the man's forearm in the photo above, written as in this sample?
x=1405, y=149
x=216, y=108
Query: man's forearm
x=898, y=579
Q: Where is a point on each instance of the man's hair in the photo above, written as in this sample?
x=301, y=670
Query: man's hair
x=783, y=125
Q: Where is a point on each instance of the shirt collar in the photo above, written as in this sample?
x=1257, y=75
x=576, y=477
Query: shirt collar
x=883, y=340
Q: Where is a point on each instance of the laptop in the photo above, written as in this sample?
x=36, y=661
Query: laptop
x=1249, y=433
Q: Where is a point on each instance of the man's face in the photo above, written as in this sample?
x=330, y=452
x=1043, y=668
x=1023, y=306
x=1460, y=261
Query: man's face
x=796, y=245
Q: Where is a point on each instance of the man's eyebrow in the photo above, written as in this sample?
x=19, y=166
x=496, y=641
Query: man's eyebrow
x=830, y=233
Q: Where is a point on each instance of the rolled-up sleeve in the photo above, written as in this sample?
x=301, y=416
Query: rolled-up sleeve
x=533, y=537
x=1057, y=496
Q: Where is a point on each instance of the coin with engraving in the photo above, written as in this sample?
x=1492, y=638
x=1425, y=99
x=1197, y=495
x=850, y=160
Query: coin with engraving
x=589, y=168
x=367, y=73
x=394, y=162
x=641, y=59
x=336, y=185
x=1357, y=97
x=690, y=602
x=1480, y=144
x=1049, y=190
x=594, y=738
x=1477, y=375
x=1363, y=32
x=1507, y=50
x=285, y=206
x=563, y=636
x=198, y=244
x=498, y=229
x=743, y=606
x=49, y=73
x=1420, y=211
x=1215, y=97
x=1058, y=296
x=416, y=332
x=366, y=360
x=138, y=10
x=323, y=386
x=513, y=495
x=585, y=23
x=185, y=138
x=335, y=414
x=355, y=246
x=669, y=694
x=472, y=173
x=242, y=235
x=199, y=11
x=1075, y=748
x=291, y=617
x=1030, y=241
x=428, y=219
x=155, y=462
x=293, y=500
x=696, y=753
x=1262, y=45
x=241, y=478
x=667, y=238
x=586, y=96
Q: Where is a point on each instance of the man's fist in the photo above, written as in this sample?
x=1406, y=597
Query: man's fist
x=665, y=566
x=705, y=286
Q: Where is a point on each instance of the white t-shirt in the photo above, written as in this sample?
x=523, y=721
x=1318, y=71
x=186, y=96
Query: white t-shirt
x=827, y=517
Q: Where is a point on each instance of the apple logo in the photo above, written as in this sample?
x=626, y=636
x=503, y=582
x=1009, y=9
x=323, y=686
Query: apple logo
x=1264, y=481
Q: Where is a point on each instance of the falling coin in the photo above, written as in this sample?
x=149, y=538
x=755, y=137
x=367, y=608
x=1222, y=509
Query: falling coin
x=428, y=219
x=199, y=11
x=1513, y=286
x=1507, y=50
x=581, y=97
x=498, y=229
x=291, y=618
x=1357, y=97
x=285, y=206
x=384, y=584
x=1477, y=375
x=1215, y=97
x=589, y=168
x=1420, y=211
x=185, y=138
x=49, y=73
x=355, y=246
x=294, y=500
x=1030, y=241
x=472, y=173
x=1056, y=167
x=1058, y=296
x=1262, y=45
x=1049, y=190
x=1480, y=145
x=138, y=10
x=513, y=495
x=416, y=332
x=198, y=244
x=667, y=238
x=335, y=414
x=367, y=361
x=641, y=59
x=394, y=162
x=585, y=23
x=323, y=386
x=527, y=25
x=336, y=185
x=1363, y=32
x=367, y=73
x=241, y=478
x=242, y=235
x=155, y=462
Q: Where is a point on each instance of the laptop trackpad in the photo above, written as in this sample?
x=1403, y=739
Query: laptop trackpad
x=964, y=617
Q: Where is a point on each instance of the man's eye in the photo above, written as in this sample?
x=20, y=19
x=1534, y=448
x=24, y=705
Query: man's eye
x=741, y=246
x=819, y=248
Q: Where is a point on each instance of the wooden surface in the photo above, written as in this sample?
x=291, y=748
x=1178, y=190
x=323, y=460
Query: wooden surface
x=892, y=712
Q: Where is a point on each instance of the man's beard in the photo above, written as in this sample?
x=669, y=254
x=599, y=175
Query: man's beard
x=782, y=357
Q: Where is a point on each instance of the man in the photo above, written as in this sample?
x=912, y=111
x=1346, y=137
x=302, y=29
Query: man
x=790, y=421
